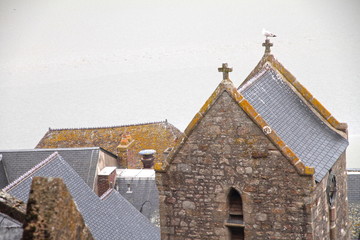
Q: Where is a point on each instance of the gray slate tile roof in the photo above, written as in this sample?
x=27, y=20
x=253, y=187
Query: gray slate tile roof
x=353, y=179
x=297, y=125
x=114, y=218
x=3, y=179
x=10, y=229
x=143, y=195
x=122, y=207
x=17, y=162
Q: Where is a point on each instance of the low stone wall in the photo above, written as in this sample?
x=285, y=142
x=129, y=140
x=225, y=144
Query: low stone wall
x=354, y=215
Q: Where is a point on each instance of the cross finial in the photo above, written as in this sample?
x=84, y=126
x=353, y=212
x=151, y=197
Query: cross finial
x=267, y=44
x=225, y=70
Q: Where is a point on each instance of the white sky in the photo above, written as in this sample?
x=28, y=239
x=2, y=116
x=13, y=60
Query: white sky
x=89, y=63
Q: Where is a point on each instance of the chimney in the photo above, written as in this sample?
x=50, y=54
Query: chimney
x=106, y=179
x=123, y=150
x=147, y=157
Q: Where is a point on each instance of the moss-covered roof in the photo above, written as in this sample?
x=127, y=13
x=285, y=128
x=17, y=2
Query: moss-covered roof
x=157, y=135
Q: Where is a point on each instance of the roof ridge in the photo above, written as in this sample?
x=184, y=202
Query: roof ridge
x=50, y=149
x=291, y=79
x=32, y=170
x=115, y=126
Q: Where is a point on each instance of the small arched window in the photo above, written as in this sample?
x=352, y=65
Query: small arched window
x=331, y=189
x=235, y=221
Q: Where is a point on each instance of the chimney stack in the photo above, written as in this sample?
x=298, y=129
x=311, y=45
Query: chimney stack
x=123, y=150
x=106, y=179
x=147, y=157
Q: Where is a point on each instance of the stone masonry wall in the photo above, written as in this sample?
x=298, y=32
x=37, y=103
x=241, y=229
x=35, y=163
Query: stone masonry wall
x=227, y=150
x=321, y=207
x=52, y=213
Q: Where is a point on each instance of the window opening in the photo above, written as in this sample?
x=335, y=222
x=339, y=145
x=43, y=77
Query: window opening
x=235, y=221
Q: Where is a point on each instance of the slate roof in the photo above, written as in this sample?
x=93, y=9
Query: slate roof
x=301, y=128
x=143, y=194
x=311, y=137
x=156, y=135
x=3, y=179
x=353, y=183
x=109, y=219
x=82, y=160
x=10, y=229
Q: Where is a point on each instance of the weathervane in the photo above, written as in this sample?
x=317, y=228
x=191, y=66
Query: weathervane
x=267, y=44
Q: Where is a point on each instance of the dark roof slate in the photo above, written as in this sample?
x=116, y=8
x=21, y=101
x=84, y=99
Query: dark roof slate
x=82, y=160
x=313, y=141
x=122, y=208
x=3, y=179
x=104, y=218
x=353, y=180
x=143, y=195
x=10, y=229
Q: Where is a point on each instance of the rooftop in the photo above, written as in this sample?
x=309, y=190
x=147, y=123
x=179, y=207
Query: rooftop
x=156, y=135
x=105, y=218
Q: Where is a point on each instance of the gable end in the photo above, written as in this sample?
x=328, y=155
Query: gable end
x=227, y=85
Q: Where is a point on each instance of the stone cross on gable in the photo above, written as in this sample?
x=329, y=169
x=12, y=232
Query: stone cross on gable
x=267, y=44
x=225, y=70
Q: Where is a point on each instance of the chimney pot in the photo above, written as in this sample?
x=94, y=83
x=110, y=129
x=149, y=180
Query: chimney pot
x=147, y=157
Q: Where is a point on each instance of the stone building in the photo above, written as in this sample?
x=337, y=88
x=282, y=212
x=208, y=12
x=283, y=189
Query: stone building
x=354, y=201
x=110, y=216
x=262, y=161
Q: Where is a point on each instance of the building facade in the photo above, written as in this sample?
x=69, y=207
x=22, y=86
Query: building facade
x=262, y=161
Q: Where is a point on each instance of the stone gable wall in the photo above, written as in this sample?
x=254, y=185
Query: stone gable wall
x=52, y=213
x=321, y=208
x=225, y=150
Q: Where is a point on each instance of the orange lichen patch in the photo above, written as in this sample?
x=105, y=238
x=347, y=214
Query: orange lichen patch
x=300, y=167
x=335, y=123
x=193, y=124
x=303, y=91
x=290, y=155
x=282, y=70
x=276, y=140
x=158, y=136
x=320, y=108
x=300, y=88
x=248, y=108
x=158, y=167
x=210, y=101
x=309, y=170
x=260, y=121
x=234, y=93
x=124, y=141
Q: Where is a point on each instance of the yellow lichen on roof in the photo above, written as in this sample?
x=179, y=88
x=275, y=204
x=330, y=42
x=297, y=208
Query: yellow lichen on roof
x=158, y=136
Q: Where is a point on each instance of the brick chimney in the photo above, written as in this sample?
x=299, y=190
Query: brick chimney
x=123, y=150
x=147, y=157
x=106, y=179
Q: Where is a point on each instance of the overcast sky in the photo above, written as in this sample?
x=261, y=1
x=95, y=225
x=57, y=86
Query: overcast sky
x=88, y=63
